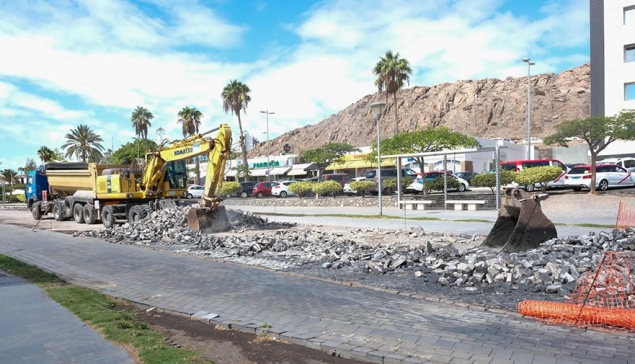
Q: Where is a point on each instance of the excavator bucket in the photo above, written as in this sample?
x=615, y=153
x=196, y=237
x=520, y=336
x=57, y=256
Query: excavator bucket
x=208, y=221
x=521, y=224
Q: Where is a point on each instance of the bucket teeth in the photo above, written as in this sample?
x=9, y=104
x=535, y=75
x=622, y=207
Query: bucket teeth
x=521, y=224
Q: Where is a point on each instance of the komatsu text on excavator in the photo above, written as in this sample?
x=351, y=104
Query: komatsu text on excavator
x=90, y=192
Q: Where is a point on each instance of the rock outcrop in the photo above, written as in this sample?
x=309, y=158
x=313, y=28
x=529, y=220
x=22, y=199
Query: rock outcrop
x=483, y=108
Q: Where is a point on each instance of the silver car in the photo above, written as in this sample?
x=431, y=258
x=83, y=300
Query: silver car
x=606, y=176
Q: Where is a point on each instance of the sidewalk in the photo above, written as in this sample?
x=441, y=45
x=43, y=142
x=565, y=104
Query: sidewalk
x=35, y=329
x=355, y=322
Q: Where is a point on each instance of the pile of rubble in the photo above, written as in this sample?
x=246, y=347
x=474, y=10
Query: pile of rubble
x=431, y=258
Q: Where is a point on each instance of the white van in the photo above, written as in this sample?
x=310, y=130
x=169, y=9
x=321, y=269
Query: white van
x=626, y=163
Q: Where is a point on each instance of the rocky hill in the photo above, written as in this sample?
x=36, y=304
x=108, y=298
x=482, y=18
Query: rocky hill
x=484, y=108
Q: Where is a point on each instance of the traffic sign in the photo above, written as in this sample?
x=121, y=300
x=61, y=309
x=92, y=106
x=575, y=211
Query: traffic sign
x=286, y=148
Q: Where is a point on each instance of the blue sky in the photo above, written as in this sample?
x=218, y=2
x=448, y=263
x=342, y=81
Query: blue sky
x=71, y=62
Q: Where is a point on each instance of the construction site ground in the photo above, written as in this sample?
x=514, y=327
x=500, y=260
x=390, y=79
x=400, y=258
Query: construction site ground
x=353, y=322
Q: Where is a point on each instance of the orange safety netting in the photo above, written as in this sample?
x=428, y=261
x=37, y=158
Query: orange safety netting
x=625, y=217
x=603, y=297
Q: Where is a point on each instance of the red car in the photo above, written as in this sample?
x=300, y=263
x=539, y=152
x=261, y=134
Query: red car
x=262, y=189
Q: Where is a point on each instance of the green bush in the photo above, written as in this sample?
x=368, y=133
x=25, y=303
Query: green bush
x=230, y=188
x=392, y=183
x=362, y=186
x=437, y=184
x=302, y=188
x=329, y=187
x=489, y=179
x=16, y=186
x=15, y=198
x=541, y=175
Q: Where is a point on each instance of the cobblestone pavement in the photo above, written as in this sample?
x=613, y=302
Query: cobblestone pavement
x=370, y=325
x=35, y=329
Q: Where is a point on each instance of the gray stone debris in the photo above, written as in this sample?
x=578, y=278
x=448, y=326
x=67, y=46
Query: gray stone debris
x=433, y=258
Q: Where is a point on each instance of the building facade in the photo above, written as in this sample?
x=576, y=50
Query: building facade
x=612, y=34
x=612, y=56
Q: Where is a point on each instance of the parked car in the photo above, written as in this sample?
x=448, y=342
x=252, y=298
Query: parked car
x=518, y=165
x=626, y=163
x=571, y=165
x=387, y=174
x=248, y=188
x=466, y=175
x=282, y=189
x=606, y=176
x=195, y=191
x=347, y=188
x=310, y=179
x=262, y=189
x=417, y=185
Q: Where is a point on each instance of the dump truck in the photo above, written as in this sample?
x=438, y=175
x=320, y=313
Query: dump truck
x=88, y=192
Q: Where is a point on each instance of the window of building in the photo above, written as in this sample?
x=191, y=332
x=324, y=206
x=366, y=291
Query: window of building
x=629, y=91
x=629, y=53
x=629, y=15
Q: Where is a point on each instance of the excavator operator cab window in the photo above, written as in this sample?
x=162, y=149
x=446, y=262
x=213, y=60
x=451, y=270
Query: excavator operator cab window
x=177, y=174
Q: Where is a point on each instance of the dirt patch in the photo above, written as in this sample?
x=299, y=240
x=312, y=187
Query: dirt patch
x=223, y=346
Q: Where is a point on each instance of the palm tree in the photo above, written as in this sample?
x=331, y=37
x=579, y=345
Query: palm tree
x=392, y=72
x=9, y=175
x=83, y=143
x=140, y=119
x=190, y=118
x=235, y=99
x=45, y=153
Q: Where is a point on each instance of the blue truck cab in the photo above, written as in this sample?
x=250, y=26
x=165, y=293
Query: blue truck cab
x=36, y=182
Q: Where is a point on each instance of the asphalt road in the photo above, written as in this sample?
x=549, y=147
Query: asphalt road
x=357, y=322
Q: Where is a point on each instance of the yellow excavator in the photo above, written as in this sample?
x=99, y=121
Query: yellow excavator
x=210, y=217
x=87, y=192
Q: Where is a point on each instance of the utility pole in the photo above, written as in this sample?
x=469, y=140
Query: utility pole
x=529, y=64
x=267, y=112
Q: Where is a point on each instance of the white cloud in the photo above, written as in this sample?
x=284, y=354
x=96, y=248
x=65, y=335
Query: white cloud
x=111, y=54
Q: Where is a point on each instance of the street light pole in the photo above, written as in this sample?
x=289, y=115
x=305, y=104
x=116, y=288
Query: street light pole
x=267, y=112
x=529, y=64
x=378, y=109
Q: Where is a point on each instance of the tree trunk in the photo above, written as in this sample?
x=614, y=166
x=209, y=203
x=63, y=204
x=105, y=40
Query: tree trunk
x=396, y=120
x=243, y=148
x=593, y=175
x=198, y=171
x=422, y=168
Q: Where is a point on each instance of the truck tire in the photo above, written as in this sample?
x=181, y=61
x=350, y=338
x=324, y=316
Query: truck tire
x=90, y=214
x=78, y=213
x=37, y=212
x=58, y=211
x=108, y=217
x=147, y=209
x=68, y=206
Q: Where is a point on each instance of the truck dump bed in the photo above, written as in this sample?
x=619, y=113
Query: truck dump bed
x=69, y=178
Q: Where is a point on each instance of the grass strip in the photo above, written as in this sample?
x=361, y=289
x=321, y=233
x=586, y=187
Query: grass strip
x=104, y=315
x=352, y=216
x=473, y=220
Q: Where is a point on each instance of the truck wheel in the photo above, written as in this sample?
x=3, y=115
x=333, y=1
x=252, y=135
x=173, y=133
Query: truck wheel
x=58, y=211
x=90, y=215
x=78, y=213
x=146, y=210
x=108, y=217
x=37, y=213
x=68, y=206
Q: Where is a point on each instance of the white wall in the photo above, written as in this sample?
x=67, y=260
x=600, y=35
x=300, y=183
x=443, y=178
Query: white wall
x=617, y=72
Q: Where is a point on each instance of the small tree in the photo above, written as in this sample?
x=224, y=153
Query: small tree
x=302, y=188
x=437, y=184
x=327, y=187
x=540, y=175
x=241, y=170
x=489, y=179
x=328, y=154
x=230, y=188
x=392, y=183
x=362, y=187
x=423, y=141
x=598, y=132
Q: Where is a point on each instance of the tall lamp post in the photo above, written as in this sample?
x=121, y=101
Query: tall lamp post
x=529, y=64
x=267, y=112
x=378, y=109
x=451, y=104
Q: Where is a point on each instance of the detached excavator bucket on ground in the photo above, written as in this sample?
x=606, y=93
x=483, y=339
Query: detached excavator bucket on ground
x=208, y=221
x=521, y=224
